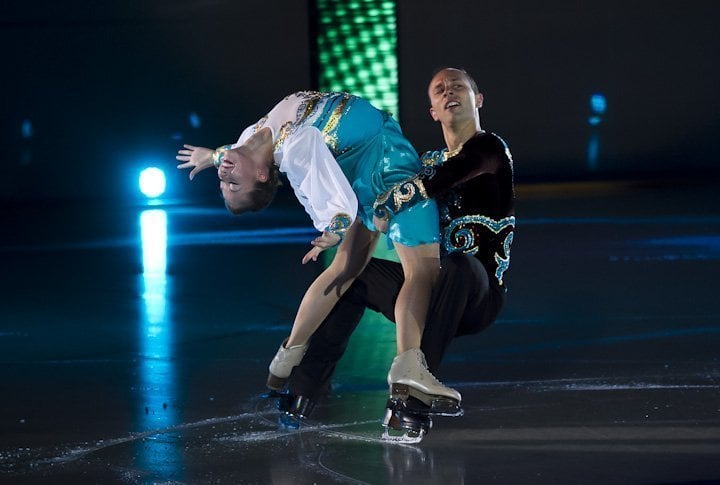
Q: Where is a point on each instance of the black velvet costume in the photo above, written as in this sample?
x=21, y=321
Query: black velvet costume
x=475, y=195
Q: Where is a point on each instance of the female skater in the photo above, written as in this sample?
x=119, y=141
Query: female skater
x=339, y=154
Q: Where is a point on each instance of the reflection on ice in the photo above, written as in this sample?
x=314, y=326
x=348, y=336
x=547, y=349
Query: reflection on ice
x=156, y=373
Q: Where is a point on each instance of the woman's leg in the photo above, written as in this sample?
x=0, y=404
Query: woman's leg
x=421, y=265
x=351, y=257
x=409, y=375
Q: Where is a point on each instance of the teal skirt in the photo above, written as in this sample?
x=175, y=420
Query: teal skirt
x=374, y=156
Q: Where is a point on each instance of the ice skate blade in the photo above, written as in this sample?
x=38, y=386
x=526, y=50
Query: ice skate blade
x=275, y=383
x=445, y=407
x=402, y=425
x=407, y=437
x=289, y=421
x=298, y=407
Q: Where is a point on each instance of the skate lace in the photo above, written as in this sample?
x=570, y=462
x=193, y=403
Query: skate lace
x=423, y=362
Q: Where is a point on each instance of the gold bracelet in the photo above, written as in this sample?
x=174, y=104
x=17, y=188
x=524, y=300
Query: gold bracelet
x=219, y=154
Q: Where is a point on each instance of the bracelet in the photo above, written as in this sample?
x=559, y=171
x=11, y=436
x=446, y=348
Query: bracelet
x=339, y=225
x=219, y=154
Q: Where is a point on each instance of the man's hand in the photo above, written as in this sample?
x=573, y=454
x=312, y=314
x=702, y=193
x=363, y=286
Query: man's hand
x=321, y=243
x=199, y=158
x=380, y=224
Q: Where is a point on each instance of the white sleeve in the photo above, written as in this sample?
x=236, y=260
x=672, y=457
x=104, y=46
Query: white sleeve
x=316, y=178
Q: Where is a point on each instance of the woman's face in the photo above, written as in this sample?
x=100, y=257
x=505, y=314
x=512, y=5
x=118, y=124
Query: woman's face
x=237, y=179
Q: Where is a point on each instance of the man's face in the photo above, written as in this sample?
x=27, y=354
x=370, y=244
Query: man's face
x=237, y=178
x=452, y=98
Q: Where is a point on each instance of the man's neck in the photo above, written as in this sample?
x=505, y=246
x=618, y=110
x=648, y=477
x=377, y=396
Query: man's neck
x=456, y=136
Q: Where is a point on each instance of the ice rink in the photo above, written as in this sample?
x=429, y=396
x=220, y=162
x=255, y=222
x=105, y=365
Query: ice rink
x=135, y=341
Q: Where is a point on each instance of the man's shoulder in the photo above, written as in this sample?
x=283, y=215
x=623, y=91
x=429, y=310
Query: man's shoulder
x=486, y=140
x=487, y=143
x=483, y=141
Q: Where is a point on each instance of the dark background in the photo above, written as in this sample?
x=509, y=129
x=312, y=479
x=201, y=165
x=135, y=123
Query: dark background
x=109, y=86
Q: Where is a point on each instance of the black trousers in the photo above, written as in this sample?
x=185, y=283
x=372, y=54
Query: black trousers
x=464, y=301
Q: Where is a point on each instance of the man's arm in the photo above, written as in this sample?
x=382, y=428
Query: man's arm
x=480, y=155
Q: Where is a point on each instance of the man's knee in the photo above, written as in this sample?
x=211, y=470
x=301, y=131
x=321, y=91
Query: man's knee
x=463, y=269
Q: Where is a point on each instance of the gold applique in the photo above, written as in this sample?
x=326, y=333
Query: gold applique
x=402, y=194
x=285, y=131
x=330, y=129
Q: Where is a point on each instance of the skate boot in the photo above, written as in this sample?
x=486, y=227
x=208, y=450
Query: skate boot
x=409, y=377
x=402, y=424
x=283, y=363
x=293, y=410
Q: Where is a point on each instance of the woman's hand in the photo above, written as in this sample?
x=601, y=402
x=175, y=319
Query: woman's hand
x=321, y=243
x=199, y=158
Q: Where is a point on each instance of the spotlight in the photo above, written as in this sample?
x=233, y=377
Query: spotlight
x=27, y=129
x=598, y=104
x=152, y=182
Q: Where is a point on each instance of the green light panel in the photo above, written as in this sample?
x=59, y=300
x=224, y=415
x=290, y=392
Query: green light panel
x=357, y=50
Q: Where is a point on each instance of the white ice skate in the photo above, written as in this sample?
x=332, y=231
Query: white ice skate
x=282, y=364
x=410, y=377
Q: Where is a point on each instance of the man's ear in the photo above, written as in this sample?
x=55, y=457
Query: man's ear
x=433, y=115
x=479, y=98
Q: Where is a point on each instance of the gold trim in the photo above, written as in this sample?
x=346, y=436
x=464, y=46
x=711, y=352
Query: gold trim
x=331, y=138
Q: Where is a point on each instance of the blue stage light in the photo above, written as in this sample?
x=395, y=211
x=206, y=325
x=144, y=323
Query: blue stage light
x=27, y=129
x=152, y=182
x=598, y=104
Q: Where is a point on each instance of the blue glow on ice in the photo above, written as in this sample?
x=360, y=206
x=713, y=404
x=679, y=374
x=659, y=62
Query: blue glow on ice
x=156, y=373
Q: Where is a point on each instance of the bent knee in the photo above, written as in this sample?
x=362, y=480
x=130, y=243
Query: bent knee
x=460, y=266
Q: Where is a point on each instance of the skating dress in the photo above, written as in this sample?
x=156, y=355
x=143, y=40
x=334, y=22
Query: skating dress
x=340, y=153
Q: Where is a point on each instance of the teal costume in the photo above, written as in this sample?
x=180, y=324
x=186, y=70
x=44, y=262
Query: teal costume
x=372, y=152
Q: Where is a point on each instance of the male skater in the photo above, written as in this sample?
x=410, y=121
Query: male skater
x=472, y=182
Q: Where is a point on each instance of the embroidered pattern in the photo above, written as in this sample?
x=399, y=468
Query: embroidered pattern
x=430, y=159
x=285, y=130
x=339, y=224
x=261, y=122
x=380, y=206
x=428, y=171
x=330, y=129
x=306, y=109
x=404, y=193
x=461, y=237
x=503, y=263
